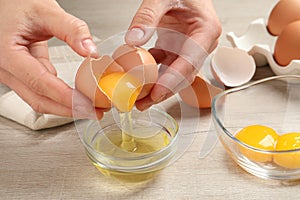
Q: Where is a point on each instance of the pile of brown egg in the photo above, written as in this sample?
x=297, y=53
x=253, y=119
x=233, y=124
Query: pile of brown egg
x=284, y=22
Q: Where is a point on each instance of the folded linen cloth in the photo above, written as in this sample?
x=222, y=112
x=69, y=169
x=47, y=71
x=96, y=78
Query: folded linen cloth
x=14, y=108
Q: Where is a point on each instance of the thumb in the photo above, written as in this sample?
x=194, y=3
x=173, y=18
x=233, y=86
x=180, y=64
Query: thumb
x=71, y=30
x=145, y=20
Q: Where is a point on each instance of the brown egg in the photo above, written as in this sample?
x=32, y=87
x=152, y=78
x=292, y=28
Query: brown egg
x=139, y=65
x=287, y=46
x=88, y=75
x=199, y=94
x=143, y=63
x=283, y=13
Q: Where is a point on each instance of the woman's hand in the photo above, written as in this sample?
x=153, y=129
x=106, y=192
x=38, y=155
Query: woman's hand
x=25, y=27
x=188, y=30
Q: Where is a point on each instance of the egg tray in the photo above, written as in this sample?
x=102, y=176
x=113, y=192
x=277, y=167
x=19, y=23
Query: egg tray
x=259, y=43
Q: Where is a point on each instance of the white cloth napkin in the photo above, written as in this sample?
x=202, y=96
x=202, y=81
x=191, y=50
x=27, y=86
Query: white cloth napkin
x=14, y=108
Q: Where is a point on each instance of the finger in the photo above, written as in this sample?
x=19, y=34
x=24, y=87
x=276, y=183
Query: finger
x=147, y=102
x=42, y=104
x=37, y=102
x=144, y=103
x=146, y=18
x=184, y=62
x=188, y=47
x=39, y=50
x=177, y=76
x=37, y=78
x=99, y=113
x=72, y=30
x=84, y=108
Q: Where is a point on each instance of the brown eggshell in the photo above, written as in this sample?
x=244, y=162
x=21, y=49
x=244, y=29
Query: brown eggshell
x=199, y=94
x=283, y=13
x=88, y=75
x=287, y=46
x=139, y=62
x=104, y=65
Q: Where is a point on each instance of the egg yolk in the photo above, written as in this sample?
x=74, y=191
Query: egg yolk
x=121, y=88
x=288, y=141
x=260, y=137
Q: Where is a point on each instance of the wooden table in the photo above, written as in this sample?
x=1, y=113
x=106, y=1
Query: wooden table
x=51, y=164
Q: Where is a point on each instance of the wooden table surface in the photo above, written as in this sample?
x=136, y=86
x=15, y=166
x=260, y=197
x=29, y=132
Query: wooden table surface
x=51, y=164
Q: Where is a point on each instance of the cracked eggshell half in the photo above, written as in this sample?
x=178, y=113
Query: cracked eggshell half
x=232, y=66
x=135, y=61
x=139, y=62
x=88, y=75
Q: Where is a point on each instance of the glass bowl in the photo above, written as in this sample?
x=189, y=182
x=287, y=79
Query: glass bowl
x=152, y=144
x=273, y=102
x=101, y=138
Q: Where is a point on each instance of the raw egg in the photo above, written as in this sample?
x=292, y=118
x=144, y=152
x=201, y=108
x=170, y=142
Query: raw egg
x=119, y=80
x=289, y=141
x=260, y=137
x=142, y=62
x=283, y=13
x=121, y=88
x=199, y=94
x=287, y=46
x=88, y=75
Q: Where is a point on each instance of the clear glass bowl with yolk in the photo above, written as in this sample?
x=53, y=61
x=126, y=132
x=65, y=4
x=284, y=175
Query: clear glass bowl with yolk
x=259, y=126
x=144, y=152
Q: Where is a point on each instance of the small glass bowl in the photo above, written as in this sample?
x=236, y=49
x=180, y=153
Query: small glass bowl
x=155, y=137
x=272, y=102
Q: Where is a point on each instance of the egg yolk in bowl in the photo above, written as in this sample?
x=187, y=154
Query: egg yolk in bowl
x=288, y=141
x=260, y=137
x=265, y=138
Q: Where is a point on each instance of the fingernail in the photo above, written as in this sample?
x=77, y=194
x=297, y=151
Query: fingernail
x=99, y=115
x=135, y=35
x=90, y=46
